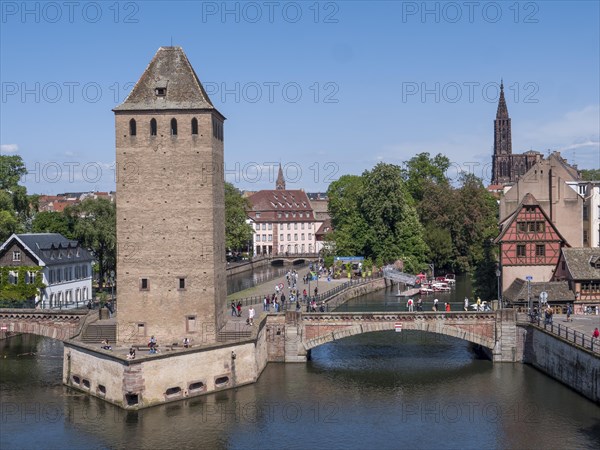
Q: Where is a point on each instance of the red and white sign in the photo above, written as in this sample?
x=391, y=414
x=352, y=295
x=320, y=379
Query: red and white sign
x=398, y=327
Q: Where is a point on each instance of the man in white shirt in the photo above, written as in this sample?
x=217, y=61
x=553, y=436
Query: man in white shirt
x=251, y=315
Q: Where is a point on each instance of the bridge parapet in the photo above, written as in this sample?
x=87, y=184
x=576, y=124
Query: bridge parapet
x=61, y=325
x=313, y=329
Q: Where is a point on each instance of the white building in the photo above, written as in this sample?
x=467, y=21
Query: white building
x=283, y=221
x=590, y=192
x=66, y=267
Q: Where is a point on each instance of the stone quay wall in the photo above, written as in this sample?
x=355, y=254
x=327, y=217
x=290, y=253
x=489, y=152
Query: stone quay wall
x=169, y=376
x=570, y=364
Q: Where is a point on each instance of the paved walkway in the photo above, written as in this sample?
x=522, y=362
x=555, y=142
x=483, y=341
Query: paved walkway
x=235, y=323
x=582, y=323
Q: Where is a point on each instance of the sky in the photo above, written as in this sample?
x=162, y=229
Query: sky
x=324, y=88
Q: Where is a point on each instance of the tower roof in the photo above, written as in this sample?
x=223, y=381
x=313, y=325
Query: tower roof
x=502, y=112
x=169, y=82
x=280, y=182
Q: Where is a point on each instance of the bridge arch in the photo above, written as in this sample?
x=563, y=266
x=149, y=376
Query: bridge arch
x=53, y=324
x=476, y=328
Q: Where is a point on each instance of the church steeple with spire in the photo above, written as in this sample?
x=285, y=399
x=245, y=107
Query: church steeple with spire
x=280, y=183
x=506, y=166
x=501, y=170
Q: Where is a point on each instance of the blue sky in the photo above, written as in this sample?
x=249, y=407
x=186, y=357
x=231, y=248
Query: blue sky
x=325, y=88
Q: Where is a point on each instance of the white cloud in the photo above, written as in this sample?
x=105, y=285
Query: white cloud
x=9, y=148
x=574, y=129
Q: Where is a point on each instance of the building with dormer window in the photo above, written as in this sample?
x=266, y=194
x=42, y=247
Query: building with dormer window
x=283, y=220
x=66, y=267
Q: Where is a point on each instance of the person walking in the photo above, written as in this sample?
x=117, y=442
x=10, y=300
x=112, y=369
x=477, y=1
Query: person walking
x=435, y=304
x=569, y=312
x=419, y=305
x=409, y=304
x=466, y=307
x=239, y=309
x=447, y=307
x=251, y=316
x=596, y=333
x=233, y=309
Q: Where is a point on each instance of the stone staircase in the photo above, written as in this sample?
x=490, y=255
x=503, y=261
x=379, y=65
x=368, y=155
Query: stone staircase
x=96, y=332
x=228, y=336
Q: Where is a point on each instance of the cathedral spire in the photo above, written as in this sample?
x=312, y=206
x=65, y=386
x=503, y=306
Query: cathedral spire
x=280, y=183
x=502, y=112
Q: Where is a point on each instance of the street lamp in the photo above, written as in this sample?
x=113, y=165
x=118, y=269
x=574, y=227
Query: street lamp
x=498, y=274
x=112, y=285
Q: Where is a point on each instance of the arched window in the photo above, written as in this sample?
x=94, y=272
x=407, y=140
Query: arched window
x=173, y=127
x=153, y=127
x=132, y=127
x=194, y=126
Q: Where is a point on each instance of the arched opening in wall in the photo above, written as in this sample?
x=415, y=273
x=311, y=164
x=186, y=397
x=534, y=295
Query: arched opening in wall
x=194, y=126
x=132, y=127
x=153, y=127
x=173, y=392
x=101, y=390
x=196, y=387
x=86, y=383
x=85, y=293
x=221, y=382
x=76, y=379
x=173, y=127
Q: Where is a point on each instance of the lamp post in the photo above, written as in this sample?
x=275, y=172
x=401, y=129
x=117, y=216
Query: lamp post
x=112, y=285
x=498, y=275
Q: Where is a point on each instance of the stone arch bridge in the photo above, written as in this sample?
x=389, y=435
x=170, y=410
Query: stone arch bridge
x=61, y=325
x=495, y=331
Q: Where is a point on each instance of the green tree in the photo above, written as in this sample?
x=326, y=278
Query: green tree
x=54, y=222
x=373, y=216
x=590, y=174
x=95, y=228
x=350, y=229
x=237, y=231
x=422, y=170
x=15, y=211
x=12, y=168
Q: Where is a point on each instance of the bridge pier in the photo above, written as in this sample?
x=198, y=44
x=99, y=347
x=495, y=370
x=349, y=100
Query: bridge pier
x=505, y=348
x=294, y=349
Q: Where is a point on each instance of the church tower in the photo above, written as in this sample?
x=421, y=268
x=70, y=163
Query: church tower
x=280, y=182
x=502, y=161
x=170, y=207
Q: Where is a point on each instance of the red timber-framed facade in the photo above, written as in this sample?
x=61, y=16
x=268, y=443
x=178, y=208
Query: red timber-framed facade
x=529, y=244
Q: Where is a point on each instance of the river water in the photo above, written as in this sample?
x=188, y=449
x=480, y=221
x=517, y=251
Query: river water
x=378, y=390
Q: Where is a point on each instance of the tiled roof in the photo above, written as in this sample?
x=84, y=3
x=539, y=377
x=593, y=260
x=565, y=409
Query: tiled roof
x=324, y=228
x=42, y=245
x=169, y=70
x=557, y=291
x=271, y=202
x=528, y=200
x=579, y=262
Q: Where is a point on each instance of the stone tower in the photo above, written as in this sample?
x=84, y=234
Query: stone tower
x=280, y=182
x=170, y=207
x=502, y=161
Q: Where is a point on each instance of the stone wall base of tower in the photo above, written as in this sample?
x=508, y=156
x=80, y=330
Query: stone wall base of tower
x=165, y=377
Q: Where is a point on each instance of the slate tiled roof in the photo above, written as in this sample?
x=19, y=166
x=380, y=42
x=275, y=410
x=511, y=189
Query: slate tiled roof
x=324, y=229
x=44, y=244
x=171, y=70
x=558, y=291
x=579, y=262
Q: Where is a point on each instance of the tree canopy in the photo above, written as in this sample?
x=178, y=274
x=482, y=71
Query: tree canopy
x=237, y=232
x=373, y=216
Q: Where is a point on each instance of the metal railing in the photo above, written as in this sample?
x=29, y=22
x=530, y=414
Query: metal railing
x=319, y=298
x=571, y=335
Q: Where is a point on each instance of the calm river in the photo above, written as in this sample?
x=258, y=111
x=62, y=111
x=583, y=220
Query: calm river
x=380, y=390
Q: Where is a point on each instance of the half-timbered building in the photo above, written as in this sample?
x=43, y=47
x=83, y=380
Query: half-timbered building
x=529, y=244
x=581, y=268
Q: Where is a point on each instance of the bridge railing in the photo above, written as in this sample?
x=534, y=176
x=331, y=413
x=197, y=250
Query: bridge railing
x=319, y=298
x=571, y=335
